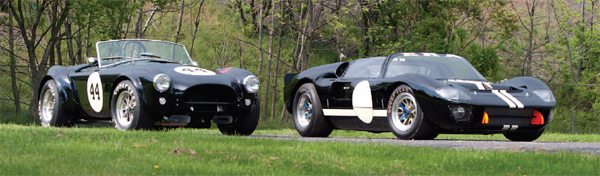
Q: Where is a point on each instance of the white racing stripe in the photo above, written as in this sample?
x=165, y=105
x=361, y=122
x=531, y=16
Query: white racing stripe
x=477, y=83
x=351, y=113
x=379, y=113
x=510, y=103
x=339, y=112
x=505, y=96
x=513, y=99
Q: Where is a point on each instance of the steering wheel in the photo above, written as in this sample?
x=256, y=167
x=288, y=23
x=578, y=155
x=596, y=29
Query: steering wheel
x=133, y=49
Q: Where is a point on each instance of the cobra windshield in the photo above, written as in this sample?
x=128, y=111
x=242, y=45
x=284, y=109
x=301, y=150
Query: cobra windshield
x=436, y=67
x=110, y=52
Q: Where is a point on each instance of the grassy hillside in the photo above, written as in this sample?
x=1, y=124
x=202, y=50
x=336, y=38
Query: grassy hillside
x=103, y=151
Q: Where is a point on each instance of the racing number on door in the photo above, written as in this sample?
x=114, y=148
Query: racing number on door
x=94, y=90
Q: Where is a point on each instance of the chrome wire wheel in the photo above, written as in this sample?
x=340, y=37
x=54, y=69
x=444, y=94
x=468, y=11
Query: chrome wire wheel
x=304, y=110
x=125, y=107
x=404, y=112
x=47, y=105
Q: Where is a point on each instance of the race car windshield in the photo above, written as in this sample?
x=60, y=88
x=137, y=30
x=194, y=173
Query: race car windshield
x=111, y=52
x=436, y=67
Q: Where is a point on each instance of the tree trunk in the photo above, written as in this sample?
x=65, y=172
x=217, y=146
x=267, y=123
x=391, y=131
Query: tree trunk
x=269, y=71
x=260, y=39
x=30, y=40
x=147, y=23
x=279, y=43
x=58, y=52
x=88, y=43
x=13, y=65
x=196, y=25
x=582, y=46
x=182, y=6
x=79, y=42
x=138, y=24
x=365, y=30
x=69, y=35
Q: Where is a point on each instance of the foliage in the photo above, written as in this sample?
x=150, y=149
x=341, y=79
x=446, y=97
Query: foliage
x=485, y=60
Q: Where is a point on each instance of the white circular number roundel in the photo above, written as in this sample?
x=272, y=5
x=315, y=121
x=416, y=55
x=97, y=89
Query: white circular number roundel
x=194, y=71
x=94, y=91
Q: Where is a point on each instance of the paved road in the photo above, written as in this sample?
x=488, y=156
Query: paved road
x=591, y=148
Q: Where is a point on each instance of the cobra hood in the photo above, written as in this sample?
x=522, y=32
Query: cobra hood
x=185, y=76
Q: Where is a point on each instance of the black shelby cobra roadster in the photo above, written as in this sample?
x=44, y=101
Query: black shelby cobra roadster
x=143, y=84
x=416, y=96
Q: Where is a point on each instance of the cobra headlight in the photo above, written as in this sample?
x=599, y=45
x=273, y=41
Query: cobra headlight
x=251, y=84
x=545, y=95
x=162, y=82
x=451, y=94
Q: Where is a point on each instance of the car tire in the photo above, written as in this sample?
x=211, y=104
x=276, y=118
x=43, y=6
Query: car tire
x=243, y=125
x=523, y=136
x=405, y=117
x=308, y=113
x=126, y=108
x=50, y=109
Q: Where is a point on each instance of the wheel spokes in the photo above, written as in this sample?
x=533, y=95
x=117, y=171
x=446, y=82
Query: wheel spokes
x=407, y=111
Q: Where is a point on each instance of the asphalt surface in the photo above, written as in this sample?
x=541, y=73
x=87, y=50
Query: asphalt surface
x=551, y=147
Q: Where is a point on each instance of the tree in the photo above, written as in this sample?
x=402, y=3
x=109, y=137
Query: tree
x=13, y=63
x=32, y=21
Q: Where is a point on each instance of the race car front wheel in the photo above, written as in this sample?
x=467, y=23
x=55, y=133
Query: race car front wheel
x=523, y=136
x=405, y=116
x=243, y=125
x=308, y=113
x=126, y=108
x=49, y=106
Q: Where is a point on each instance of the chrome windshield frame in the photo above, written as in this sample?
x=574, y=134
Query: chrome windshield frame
x=100, y=66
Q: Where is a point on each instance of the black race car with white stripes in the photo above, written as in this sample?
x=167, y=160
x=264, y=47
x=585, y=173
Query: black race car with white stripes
x=416, y=96
x=145, y=84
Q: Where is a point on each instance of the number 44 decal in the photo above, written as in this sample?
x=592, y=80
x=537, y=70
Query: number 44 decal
x=94, y=92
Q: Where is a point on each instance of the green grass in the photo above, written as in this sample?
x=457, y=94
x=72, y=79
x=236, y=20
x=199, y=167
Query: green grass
x=546, y=137
x=105, y=151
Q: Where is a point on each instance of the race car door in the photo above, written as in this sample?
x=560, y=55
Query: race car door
x=91, y=91
x=352, y=93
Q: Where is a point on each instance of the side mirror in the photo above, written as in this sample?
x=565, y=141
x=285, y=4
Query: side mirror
x=92, y=60
x=194, y=63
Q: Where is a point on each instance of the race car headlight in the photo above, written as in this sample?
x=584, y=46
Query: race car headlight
x=251, y=84
x=452, y=94
x=162, y=82
x=545, y=95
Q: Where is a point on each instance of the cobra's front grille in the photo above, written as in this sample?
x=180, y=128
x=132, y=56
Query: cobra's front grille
x=210, y=94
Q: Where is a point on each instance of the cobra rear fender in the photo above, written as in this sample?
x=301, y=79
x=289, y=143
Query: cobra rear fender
x=64, y=88
x=59, y=85
x=60, y=75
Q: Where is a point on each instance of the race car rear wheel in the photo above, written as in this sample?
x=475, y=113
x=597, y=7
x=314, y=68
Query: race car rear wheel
x=523, y=136
x=243, y=125
x=126, y=108
x=308, y=113
x=406, y=117
x=49, y=106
